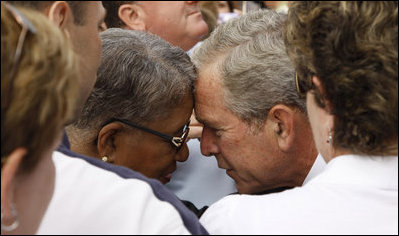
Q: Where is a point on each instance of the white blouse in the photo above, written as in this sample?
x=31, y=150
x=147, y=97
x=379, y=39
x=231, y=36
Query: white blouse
x=353, y=195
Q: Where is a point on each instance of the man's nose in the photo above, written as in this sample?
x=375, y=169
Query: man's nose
x=208, y=142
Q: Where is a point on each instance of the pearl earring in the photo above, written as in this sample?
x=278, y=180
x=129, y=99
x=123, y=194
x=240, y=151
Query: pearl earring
x=329, y=140
x=14, y=224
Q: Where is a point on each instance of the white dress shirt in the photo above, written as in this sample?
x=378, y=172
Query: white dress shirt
x=353, y=195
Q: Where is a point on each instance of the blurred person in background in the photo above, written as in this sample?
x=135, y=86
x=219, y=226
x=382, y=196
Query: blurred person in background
x=227, y=11
x=279, y=6
x=210, y=13
x=39, y=86
x=82, y=22
x=178, y=22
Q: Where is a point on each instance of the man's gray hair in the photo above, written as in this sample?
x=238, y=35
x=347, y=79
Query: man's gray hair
x=251, y=59
x=142, y=78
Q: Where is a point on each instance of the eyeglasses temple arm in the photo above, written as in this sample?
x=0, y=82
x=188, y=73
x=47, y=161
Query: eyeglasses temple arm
x=167, y=137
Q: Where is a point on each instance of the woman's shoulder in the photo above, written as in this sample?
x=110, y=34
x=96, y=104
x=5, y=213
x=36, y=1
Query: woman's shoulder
x=103, y=192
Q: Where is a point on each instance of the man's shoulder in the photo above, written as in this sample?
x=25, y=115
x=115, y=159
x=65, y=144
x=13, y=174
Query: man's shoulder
x=246, y=214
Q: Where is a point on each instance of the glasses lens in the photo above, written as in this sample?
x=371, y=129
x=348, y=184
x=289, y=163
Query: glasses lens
x=185, y=135
x=183, y=138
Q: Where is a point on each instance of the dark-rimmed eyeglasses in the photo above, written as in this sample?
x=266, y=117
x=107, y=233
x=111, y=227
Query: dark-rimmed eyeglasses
x=27, y=26
x=176, y=142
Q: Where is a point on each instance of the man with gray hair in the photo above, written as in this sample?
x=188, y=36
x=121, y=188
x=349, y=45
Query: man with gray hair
x=255, y=124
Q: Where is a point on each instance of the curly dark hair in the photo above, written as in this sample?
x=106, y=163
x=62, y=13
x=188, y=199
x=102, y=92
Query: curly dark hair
x=353, y=48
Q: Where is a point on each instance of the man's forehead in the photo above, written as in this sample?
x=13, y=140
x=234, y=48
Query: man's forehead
x=208, y=95
x=208, y=86
x=209, y=76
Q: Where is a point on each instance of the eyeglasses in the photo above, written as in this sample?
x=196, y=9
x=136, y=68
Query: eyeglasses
x=301, y=87
x=27, y=26
x=176, y=142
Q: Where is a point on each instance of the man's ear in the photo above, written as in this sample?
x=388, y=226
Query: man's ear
x=106, y=145
x=8, y=177
x=133, y=16
x=283, y=118
x=60, y=13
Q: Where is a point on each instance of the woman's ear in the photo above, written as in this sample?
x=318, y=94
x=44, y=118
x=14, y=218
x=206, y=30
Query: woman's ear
x=9, y=173
x=106, y=145
x=133, y=16
x=283, y=118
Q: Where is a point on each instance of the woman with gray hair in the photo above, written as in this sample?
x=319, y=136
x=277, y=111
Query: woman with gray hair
x=139, y=111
